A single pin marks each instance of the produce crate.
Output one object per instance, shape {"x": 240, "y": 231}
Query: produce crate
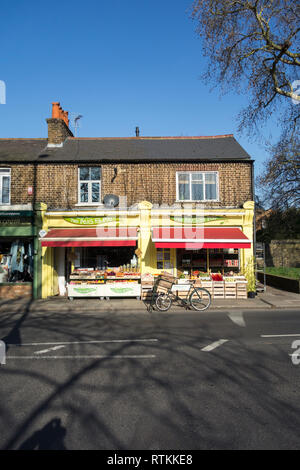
{"x": 230, "y": 290}
{"x": 181, "y": 290}
{"x": 218, "y": 289}
{"x": 208, "y": 285}
{"x": 146, "y": 295}
{"x": 147, "y": 289}
{"x": 241, "y": 290}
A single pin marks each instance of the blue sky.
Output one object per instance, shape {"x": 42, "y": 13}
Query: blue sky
{"x": 118, "y": 63}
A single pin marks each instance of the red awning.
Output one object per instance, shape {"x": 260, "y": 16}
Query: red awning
{"x": 100, "y": 236}
{"x": 199, "y": 237}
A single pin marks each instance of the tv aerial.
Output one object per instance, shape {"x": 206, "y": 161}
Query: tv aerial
{"x": 74, "y": 119}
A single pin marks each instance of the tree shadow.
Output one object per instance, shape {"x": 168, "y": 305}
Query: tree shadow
{"x": 14, "y": 336}
{"x": 180, "y": 399}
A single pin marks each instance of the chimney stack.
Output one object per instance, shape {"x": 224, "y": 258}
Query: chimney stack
{"x": 58, "y": 126}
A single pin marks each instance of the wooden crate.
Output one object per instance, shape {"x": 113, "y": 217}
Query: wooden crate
{"x": 218, "y": 289}
{"x": 146, "y": 295}
{"x": 208, "y": 285}
{"x": 241, "y": 290}
{"x": 230, "y": 290}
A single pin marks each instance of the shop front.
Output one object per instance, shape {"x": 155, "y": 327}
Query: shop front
{"x": 87, "y": 261}
{"x": 213, "y": 246}
{"x": 19, "y": 252}
{"x": 116, "y": 253}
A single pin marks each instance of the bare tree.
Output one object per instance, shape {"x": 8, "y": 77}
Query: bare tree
{"x": 253, "y": 46}
{"x": 281, "y": 178}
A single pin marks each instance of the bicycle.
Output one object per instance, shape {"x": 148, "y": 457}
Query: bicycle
{"x": 198, "y": 298}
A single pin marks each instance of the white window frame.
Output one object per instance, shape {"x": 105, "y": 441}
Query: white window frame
{"x": 203, "y": 173}
{"x": 89, "y": 182}
{"x": 5, "y": 172}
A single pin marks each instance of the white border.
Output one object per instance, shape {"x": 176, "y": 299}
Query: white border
{"x": 197, "y": 200}
{"x": 1, "y": 176}
{"x": 89, "y": 183}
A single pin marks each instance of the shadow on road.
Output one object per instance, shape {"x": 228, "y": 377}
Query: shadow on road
{"x": 180, "y": 399}
{"x": 50, "y": 437}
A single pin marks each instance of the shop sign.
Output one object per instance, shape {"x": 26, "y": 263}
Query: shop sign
{"x": 90, "y": 220}
{"x": 19, "y": 214}
{"x": 17, "y": 221}
{"x": 184, "y": 219}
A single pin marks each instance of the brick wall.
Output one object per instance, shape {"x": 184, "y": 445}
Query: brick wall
{"x": 22, "y": 176}
{"x": 57, "y": 184}
{"x": 15, "y": 291}
{"x": 283, "y": 253}
{"x": 58, "y": 131}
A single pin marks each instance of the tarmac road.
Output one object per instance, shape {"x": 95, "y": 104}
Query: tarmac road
{"x": 215, "y": 380}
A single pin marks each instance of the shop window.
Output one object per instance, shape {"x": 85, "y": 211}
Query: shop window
{"x": 197, "y": 186}
{"x": 16, "y": 261}
{"x": 89, "y": 184}
{"x": 4, "y": 185}
{"x": 163, "y": 258}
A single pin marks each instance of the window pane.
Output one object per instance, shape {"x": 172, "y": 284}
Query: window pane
{"x": 197, "y": 176}
{"x": 95, "y": 173}
{"x": 84, "y": 174}
{"x": 167, "y": 255}
{"x": 95, "y": 192}
{"x": 183, "y": 186}
{"x": 5, "y": 189}
{"x": 211, "y": 186}
{"x": 197, "y": 191}
{"x": 84, "y": 192}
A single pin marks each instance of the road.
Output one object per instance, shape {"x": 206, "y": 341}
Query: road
{"x": 186, "y": 381}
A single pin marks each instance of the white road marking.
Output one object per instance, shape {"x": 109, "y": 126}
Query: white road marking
{"x": 214, "y": 345}
{"x": 50, "y": 349}
{"x": 86, "y": 342}
{"x": 150, "y": 356}
{"x": 279, "y": 336}
{"x": 237, "y": 317}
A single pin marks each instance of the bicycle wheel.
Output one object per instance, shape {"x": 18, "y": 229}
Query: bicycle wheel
{"x": 163, "y": 302}
{"x": 200, "y": 299}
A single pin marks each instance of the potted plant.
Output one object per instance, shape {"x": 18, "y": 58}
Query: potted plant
{"x": 250, "y": 276}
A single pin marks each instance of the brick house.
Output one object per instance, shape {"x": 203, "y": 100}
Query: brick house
{"x": 203, "y": 185}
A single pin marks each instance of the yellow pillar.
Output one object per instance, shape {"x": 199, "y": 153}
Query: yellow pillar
{"x": 145, "y": 242}
{"x": 49, "y": 275}
{"x": 247, "y": 253}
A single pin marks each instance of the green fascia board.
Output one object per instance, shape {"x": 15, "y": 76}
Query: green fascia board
{"x": 7, "y": 214}
{"x": 26, "y": 231}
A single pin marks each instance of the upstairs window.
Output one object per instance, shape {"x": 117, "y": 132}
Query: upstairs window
{"x": 197, "y": 186}
{"x": 4, "y": 185}
{"x": 89, "y": 184}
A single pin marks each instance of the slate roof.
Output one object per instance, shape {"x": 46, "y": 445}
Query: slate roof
{"x": 135, "y": 149}
{"x": 21, "y": 150}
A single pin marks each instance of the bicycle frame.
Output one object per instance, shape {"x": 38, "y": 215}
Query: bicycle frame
{"x": 185, "y": 301}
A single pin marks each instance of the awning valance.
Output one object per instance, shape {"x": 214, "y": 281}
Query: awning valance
{"x": 199, "y": 237}
{"x": 84, "y": 237}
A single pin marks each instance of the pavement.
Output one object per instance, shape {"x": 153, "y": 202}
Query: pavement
{"x": 271, "y": 299}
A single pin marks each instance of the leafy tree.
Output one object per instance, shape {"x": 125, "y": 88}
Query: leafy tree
{"x": 280, "y": 225}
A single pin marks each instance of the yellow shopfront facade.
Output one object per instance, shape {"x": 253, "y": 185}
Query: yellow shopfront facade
{"x": 95, "y": 250}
